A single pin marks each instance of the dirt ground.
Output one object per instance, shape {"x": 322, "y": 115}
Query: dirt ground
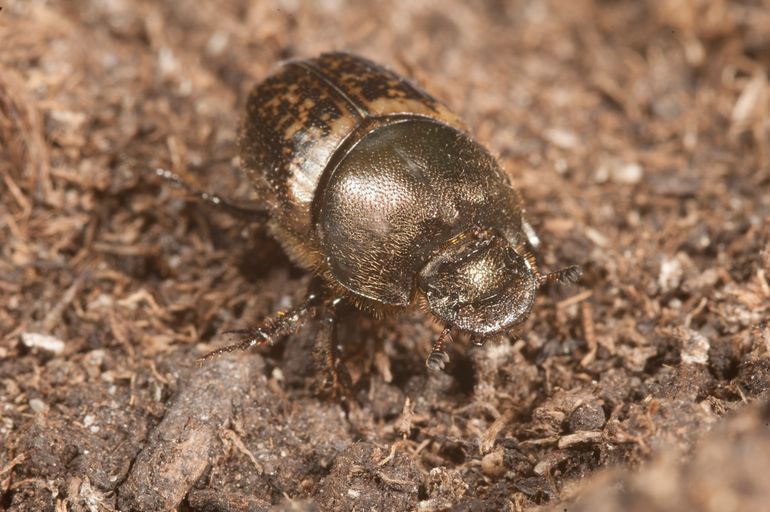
{"x": 639, "y": 134}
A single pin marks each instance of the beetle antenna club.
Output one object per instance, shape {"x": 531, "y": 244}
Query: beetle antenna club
{"x": 438, "y": 357}
{"x": 567, "y": 275}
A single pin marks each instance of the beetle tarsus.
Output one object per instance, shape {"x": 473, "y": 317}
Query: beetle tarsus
{"x": 247, "y": 214}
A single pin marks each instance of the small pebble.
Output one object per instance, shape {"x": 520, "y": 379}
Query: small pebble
{"x": 493, "y": 464}
{"x": 38, "y": 406}
{"x": 42, "y": 341}
{"x": 563, "y": 139}
{"x": 670, "y": 275}
{"x": 695, "y": 347}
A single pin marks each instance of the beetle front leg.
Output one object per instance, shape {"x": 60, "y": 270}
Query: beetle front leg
{"x": 327, "y": 354}
{"x": 282, "y": 323}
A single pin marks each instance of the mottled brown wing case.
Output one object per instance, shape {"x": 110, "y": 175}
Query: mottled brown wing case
{"x": 293, "y": 124}
{"x": 377, "y": 91}
{"x": 297, "y": 118}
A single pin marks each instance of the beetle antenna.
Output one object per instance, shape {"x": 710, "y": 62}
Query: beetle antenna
{"x": 234, "y": 210}
{"x": 566, "y": 275}
{"x": 438, "y": 357}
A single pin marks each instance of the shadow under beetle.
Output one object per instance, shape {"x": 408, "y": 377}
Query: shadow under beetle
{"x": 376, "y": 188}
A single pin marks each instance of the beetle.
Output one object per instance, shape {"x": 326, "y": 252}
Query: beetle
{"x": 379, "y": 190}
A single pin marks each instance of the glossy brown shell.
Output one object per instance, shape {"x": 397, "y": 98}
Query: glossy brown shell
{"x": 402, "y": 193}
{"x": 300, "y": 116}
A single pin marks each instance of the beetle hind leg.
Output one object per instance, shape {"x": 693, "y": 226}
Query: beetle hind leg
{"x": 239, "y": 212}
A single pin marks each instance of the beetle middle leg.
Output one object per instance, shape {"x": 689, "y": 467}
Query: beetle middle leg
{"x": 280, "y": 324}
{"x": 239, "y": 212}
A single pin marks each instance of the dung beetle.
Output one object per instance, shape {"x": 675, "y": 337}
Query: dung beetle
{"x": 377, "y": 189}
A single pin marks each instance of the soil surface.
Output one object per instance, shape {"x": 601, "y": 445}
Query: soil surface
{"x": 639, "y": 135}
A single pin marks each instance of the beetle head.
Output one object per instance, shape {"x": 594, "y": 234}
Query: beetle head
{"x": 480, "y": 284}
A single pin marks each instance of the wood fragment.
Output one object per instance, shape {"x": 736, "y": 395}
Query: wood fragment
{"x": 235, "y": 439}
{"x": 578, "y": 297}
{"x": 487, "y": 442}
{"x": 586, "y": 312}
{"x": 179, "y": 449}
{"x": 584, "y": 436}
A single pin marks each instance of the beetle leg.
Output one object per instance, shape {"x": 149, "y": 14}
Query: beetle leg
{"x": 325, "y": 343}
{"x": 328, "y": 353}
{"x": 239, "y": 212}
{"x": 282, "y": 323}
{"x": 438, "y": 357}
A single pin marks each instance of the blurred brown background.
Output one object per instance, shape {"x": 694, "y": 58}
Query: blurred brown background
{"x": 638, "y": 132}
